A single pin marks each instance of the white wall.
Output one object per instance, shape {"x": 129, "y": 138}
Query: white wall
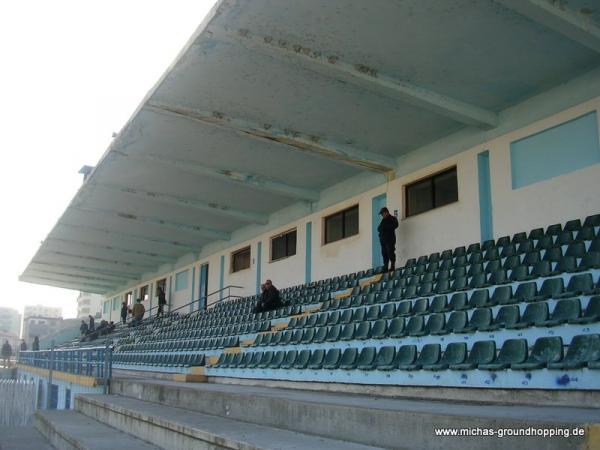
{"x": 555, "y": 200}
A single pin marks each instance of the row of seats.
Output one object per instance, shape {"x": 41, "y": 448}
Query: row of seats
{"x": 160, "y": 360}
{"x": 482, "y": 319}
{"x": 182, "y": 345}
{"x": 547, "y": 352}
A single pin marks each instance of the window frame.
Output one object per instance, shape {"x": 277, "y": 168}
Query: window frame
{"x": 341, "y": 212}
{"x": 431, "y": 179}
{"x": 232, "y": 256}
{"x": 178, "y": 280}
{"x": 282, "y": 234}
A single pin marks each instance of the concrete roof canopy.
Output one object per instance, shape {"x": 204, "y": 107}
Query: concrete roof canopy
{"x": 271, "y": 102}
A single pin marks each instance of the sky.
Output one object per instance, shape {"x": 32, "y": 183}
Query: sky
{"x": 72, "y": 73}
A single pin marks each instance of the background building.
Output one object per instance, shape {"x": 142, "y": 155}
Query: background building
{"x": 42, "y": 311}
{"x": 10, "y": 321}
{"x": 89, "y": 304}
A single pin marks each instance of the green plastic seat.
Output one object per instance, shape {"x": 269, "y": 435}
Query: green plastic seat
{"x": 404, "y": 308}
{"x": 277, "y": 360}
{"x": 359, "y": 315}
{"x": 482, "y": 352}
{"x": 345, "y": 317}
{"x": 286, "y": 337}
{"x": 301, "y": 322}
{"x": 458, "y": 302}
{"x": 502, "y": 295}
{"x": 480, "y": 319}
{"x": 333, "y": 318}
{"x": 363, "y": 330}
{"x": 347, "y": 333}
{"x": 373, "y": 313}
{"x": 591, "y": 314}
{"x": 256, "y": 359}
{"x": 519, "y": 237}
{"x": 265, "y": 360}
{"x": 235, "y": 362}
{"x": 396, "y": 328}
{"x": 492, "y": 266}
{"x": 320, "y": 335}
{"x": 333, "y": 334}
{"x": 311, "y": 321}
{"x": 526, "y": 292}
{"x": 475, "y": 269}
{"x": 576, "y": 250}
{"x": 385, "y": 358}
{"x": 405, "y": 357}
{"x": 565, "y": 310}
{"x": 531, "y": 257}
{"x": 592, "y": 221}
{"x": 545, "y": 350}
{"x": 357, "y": 301}
{"x": 568, "y": 264}
{"x": 456, "y": 323}
{"x": 288, "y": 361}
{"x": 534, "y": 314}
{"x": 322, "y": 320}
{"x": 302, "y": 359}
{"x": 409, "y": 292}
{"x": 388, "y": 311}
{"x": 379, "y": 329}
{"x": 542, "y": 269}
{"x": 316, "y": 360}
{"x": 221, "y": 361}
{"x": 460, "y": 284}
{"x": 455, "y": 353}
{"x": 435, "y": 324}
{"x": 583, "y": 349}
{"x": 345, "y": 303}
{"x": 415, "y": 326}
{"x": 506, "y": 317}
{"x": 430, "y": 354}
{"x": 480, "y": 299}
{"x": 366, "y": 358}
{"x": 582, "y": 284}
{"x": 307, "y": 336}
{"x": 349, "y": 359}
{"x": 513, "y": 351}
{"x": 296, "y": 336}
{"x": 520, "y": 273}
{"x": 258, "y": 341}
{"x": 276, "y": 338}
{"x": 439, "y": 304}
{"x": 590, "y": 260}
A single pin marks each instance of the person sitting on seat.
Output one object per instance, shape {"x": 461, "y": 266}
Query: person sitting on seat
{"x": 6, "y": 353}
{"x": 36, "y": 344}
{"x": 137, "y": 312}
{"x": 83, "y": 328}
{"x": 269, "y": 298}
{"x": 261, "y": 301}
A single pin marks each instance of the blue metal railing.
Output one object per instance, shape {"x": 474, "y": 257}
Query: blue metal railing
{"x": 89, "y": 361}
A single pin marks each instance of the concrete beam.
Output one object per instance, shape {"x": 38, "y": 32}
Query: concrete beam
{"x": 208, "y": 207}
{"x": 157, "y": 221}
{"x": 294, "y": 139}
{"x": 577, "y": 26}
{"x": 70, "y": 276}
{"x": 246, "y": 179}
{"x": 76, "y": 286}
{"x": 179, "y": 245}
{"x": 152, "y": 255}
{"x": 112, "y": 262}
{"x": 369, "y": 78}
{"x": 119, "y": 276}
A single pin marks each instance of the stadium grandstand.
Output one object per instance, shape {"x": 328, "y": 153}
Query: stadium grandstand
{"x": 267, "y": 151}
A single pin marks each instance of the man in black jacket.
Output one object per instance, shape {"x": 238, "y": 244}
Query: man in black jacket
{"x": 387, "y": 238}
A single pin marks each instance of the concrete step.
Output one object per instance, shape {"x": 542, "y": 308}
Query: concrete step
{"x": 370, "y": 420}
{"x": 175, "y": 428}
{"x": 71, "y": 430}
{"x": 22, "y": 438}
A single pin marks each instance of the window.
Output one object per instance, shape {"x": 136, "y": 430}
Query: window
{"x": 144, "y": 293}
{"x": 104, "y": 308}
{"x": 341, "y": 225}
{"x": 115, "y": 304}
{"x": 240, "y": 260}
{"x": 283, "y": 245}
{"x": 181, "y": 281}
{"x": 128, "y": 298}
{"x": 432, "y": 192}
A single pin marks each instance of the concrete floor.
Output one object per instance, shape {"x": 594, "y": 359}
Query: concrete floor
{"x": 22, "y": 438}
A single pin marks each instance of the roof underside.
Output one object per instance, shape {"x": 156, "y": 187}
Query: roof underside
{"x": 271, "y": 102}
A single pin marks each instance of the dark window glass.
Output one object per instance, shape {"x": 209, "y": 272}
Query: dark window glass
{"x": 433, "y": 192}
{"x": 283, "y": 246}
{"x": 341, "y": 225}
{"x": 240, "y": 260}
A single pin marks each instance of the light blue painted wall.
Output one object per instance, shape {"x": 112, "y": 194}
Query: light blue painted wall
{"x": 308, "y": 258}
{"x": 222, "y": 277}
{"x": 181, "y": 280}
{"x": 258, "y": 265}
{"x": 556, "y": 151}
{"x": 376, "y": 204}
{"x": 486, "y": 220}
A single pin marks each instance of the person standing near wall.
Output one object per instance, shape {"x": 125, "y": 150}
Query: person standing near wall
{"x": 162, "y": 301}
{"x": 387, "y": 238}
{"x": 6, "y": 353}
{"x": 36, "y": 344}
{"x": 124, "y": 311}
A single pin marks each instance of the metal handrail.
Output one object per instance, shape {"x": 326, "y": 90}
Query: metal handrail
{"x": 89, "y": 361}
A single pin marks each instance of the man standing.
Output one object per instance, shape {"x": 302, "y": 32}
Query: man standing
{"x": 162, "y": 301}
{"x": 23, "y": 345}
{"x": 124, "y": 311}
{"x": 387, "y": 238}
{"x": 138, "y": 312}
{"x": 92, "y": 326}
{"x": 6, "y": 353}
